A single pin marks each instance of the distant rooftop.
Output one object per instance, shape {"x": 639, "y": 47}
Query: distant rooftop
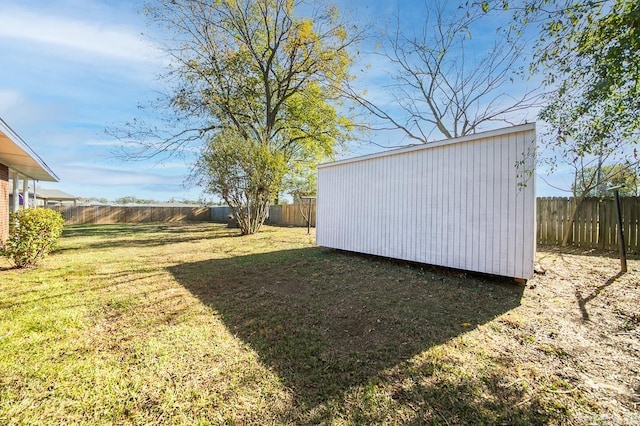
{"x": 54, "y": 194}
{"x": 51, "y": 194}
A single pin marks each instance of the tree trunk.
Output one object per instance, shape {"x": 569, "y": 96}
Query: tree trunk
{"x": 572, "y": 218}
{"x": 250, "y": 218}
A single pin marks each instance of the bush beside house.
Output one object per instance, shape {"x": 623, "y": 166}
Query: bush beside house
{"x": 32, "y": 235}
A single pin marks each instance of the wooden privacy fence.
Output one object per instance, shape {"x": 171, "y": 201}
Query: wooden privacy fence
{"x": 283, "y": 215}
{"x": 130, "y": 214}
{"x": 279, "y": 215}
{"x": 220, "y": 214}
{"x": 595, "y": 224}
{"x": 291, "y": 214}
{"x": 594, "y": 227}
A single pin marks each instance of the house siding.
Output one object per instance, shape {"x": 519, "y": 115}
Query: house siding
{"x": 4, "y": 202}
{"x": 466, "y": 203}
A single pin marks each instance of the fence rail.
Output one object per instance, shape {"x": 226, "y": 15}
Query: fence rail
{"x": 594, "y": 226}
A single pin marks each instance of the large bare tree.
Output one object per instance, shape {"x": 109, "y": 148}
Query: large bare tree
{"x": 446, "y": 83}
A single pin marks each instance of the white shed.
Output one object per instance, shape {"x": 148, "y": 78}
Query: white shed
{"x": 465, "y": 203}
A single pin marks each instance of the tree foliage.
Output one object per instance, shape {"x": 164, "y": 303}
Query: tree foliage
{"x": 301, "y": 183}
{"x": 616, "y": 175}
{"x": 253, "y": 73}
{"x": 245, "y": 174}
{"x": 591, "y": 57}
{"x": 446, "y": 82}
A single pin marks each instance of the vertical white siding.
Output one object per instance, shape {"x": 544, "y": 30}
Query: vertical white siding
{"x": 466, "y": 203}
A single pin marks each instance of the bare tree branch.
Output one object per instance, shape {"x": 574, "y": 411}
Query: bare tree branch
{"x": 439, "y": 85}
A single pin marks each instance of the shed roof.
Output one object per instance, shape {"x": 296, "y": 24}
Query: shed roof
{"x": 417, "y": 147}
{"x": 15, "y": 153}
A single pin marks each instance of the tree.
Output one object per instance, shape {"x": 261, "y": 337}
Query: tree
{"x": 254, "y": 76}
{"x": 301, "y": 183}
{"x": 612, "y": 175}
{"x": 591, "y": 57}
{"x": 246, "y": 175}
{"x": 444, "y": 82}
{"x": 129, "y": 199}
{"x": 589, "y": 53}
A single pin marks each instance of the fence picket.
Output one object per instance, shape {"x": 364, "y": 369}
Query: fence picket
{"x": 595, "y": 224}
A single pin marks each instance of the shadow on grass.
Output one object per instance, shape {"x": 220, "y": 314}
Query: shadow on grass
{"x": 8, "y": 268}
{"x": 326, "y": 321}
{"x": 113, "y": 230}
{"x": 582, "y": 301}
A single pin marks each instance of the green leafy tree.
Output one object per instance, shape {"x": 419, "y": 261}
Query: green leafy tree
{"x": 589, "y": 55}
{"x": 129, "y": 199}
{"x": 246, "y": 174}
{"x": 301, "y": 183}
{"x": 253, "y": 72}
{"x": 626, "y": 177}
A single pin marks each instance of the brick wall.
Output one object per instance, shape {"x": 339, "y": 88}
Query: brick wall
{"x": 4, "y": 202}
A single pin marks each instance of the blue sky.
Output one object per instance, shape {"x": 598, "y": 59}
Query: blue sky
{"x": 71, "y": 68}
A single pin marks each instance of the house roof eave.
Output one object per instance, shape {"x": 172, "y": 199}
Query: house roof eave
{"x": 18, "y": 156}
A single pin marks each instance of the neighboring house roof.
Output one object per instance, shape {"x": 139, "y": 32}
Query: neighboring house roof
{"x": 15, "y": 153}
{"x": 51, "y": 194}
{"x": 54, "y": 194}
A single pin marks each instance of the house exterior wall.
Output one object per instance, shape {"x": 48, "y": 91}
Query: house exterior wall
{"x": 4, "y": 202}
{"x": 466, "y": 203}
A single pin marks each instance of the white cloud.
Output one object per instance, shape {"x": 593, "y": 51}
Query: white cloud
{"x": 117, "y": 181}
{"x": 19, "y": 111}
{"x": 9, "y": 98}
{"x": 76, "y": 36}
{"x": 107, "y": 176}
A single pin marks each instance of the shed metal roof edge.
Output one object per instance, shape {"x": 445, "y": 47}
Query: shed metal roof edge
{"x": 396, "y": 151}
{"x": 16, "y": 139}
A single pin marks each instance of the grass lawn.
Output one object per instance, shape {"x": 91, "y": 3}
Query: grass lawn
{"x": 192, "y": 324}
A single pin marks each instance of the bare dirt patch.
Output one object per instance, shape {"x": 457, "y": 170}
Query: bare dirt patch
{"x": 580, "y": 322}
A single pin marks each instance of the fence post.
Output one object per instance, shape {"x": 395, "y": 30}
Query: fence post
{"x": 621, "y": 244}
{"x": 602, "y": 223}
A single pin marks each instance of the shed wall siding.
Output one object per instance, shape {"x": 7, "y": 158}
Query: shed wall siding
{"x": 467, "y": 205}
{"x": 4, "y": 202}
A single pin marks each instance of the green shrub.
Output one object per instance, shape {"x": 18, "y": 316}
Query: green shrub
{"x": 32, "y": 235}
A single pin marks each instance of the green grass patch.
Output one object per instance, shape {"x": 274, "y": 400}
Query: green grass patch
{"x": 193, "y": 324}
